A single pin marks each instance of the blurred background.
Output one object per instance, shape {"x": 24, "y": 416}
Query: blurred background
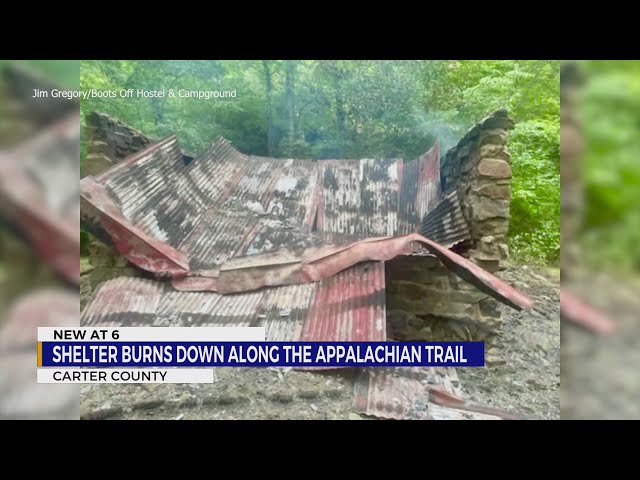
{"x": 600, "y": 233}
{"x": 39, "y": 231}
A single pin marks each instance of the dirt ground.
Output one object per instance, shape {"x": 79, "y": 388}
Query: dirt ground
{"x": 528, "y": 384}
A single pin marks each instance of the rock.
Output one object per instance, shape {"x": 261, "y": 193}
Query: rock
{"x": 498, "y": 119}
{"x": 281, "y": 397}
{"x": 85, "y": 291}
{"x": 495, "y": 151}
{"x": 489, "y": 327}
{"x": 494, "y": 358}
{"x": 493, "y": 190}
{"x": 97, "y": 146}
{"x": 503, "y": 250}
{"x": 309, "y": 394}
{"x": 413, "y": 291}
{"x": 101, "y": 255}
{"x": 536, "y": 384}
{"x": 484, "y": 255}
{"x": 495, "y": 136}
{"x": 96, "y": 163}
{"x": 488, "y": 208}
{"x": 490, "y": 266}
{"x": 494, "y": 168}
{"x": 85, "y": 267}
{"x": 465, "y": 296}
{"x": 541, "y": 342}
{"x": 493, "y": 226}
{"x": 489, "y": 251}
{"x": 490, "y": 307}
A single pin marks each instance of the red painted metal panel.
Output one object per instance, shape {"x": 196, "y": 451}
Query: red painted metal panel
{"x": 142, "y": 302}
{"x": 420, "y": 191}
{"x": 577, "y": 311}
{"x": 429, "y": 181}
{"x": 349, "y": 307}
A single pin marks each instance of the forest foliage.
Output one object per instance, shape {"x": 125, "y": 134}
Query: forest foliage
{"x": 610, "y": 117}
{"x": 356, "y": 109}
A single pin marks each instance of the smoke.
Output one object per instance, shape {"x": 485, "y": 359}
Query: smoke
{"x": 439, "y": 126}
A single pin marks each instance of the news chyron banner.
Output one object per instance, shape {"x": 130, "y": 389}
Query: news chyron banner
{"x": 188, "y": 355}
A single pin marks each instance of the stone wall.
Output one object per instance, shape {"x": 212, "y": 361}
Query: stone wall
{"x": 109, "y": 141}
{"x": 478, "y": 167}
{"x": 425, "y": 301}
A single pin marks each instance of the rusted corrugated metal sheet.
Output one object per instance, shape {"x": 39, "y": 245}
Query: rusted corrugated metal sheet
{"x": 170, "y": 218}
{"x": 360, "y": 198}
{"x": 124, "y": 302}
{"x": 419, "y": 189}
{"x": 446, "y": 223}
{"x": 246, "y": 220}
{"x": 315, "y": 264}
{"x": 349, "y": 306}
{"x": 226, "y": 204}
{"x": 355, "y": 310}
{"x": 37, "y": 194}
{"x": 421, "y": 393}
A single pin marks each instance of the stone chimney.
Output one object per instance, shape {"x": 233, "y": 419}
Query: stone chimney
{"x": 478, "y": 167}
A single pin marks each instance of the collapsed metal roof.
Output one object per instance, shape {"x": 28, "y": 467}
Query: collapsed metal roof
{"x": 229, "y": 222}
{"x": 193, "y": 218}
{"x": 347, "y": 307}
{"x": 296, "y": 246}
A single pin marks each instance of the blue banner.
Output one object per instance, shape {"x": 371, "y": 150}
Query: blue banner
{"x": 262, "y": 354}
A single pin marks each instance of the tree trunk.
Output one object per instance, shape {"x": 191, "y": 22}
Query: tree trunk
{"x": 268, "y": 90}
{"x": 336, "y": 76}
{"x": 340, "y": 114}
{"x": 291, "y": 103}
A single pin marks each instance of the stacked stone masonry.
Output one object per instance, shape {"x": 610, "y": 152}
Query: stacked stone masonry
{"x": 479, "y": 168}
{"x": 424, "y": 300}
{"x": 108, "y": 142}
